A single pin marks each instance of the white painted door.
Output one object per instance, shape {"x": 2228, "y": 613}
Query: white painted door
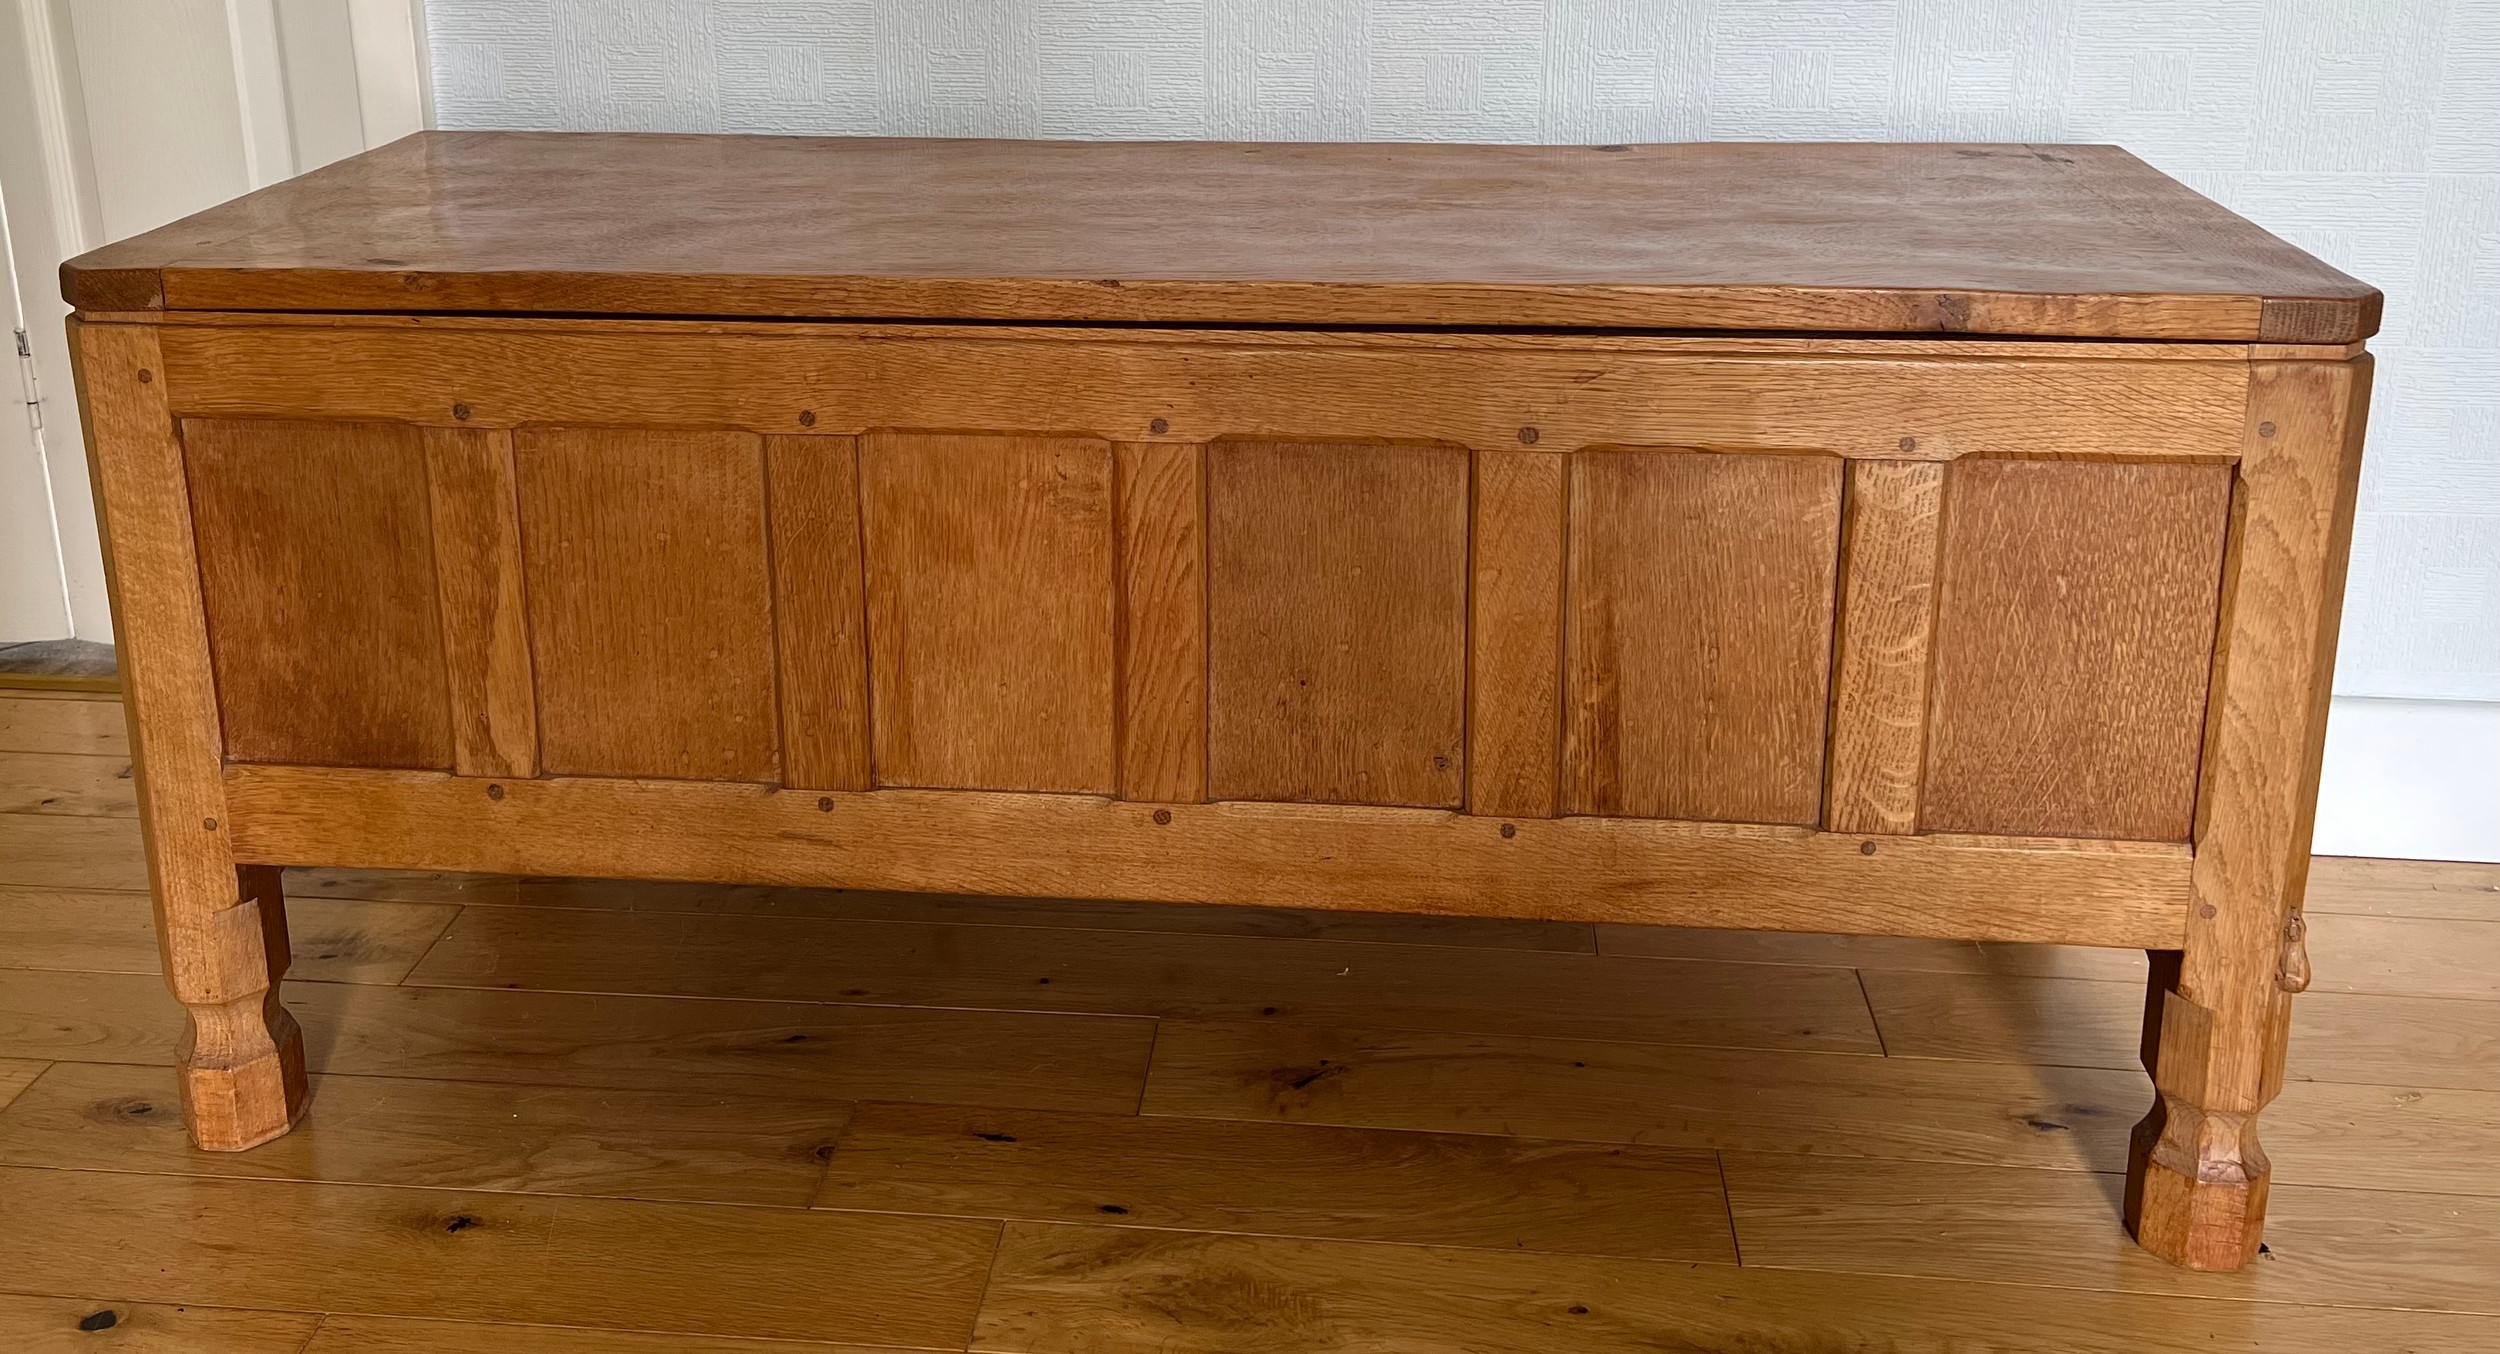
{"x": 117, "y": 116}
{"x": 33, "y": 602}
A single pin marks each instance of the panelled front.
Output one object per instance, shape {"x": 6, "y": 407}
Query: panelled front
{"x": 1184, "y": 569}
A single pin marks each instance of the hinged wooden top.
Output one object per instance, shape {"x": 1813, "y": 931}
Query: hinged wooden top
{"x": 2060, "y": 241}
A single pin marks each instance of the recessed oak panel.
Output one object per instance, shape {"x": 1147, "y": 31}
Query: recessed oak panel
{"x": 2075, "y": 640}
{"x": 317, "y": 571}
{"x": 992, "y": 613}
{"x": 1337, "y": 622}
{"x": 650, "y": 603}
{"x": 1700, "y": 628}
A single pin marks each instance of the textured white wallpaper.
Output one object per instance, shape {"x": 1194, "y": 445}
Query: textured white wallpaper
{"x": 2367, "y": 131}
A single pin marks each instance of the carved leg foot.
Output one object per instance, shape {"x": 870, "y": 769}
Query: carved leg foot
{"x": 2196, "y": 1187}
{"x": 241, "y": 1061}
{"x": 2196, "y": 1174}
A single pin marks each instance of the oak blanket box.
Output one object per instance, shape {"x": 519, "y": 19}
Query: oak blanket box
{"x": 1926, "y": 540}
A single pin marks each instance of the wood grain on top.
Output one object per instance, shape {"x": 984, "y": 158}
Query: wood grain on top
{"x": 1883, "y": 238}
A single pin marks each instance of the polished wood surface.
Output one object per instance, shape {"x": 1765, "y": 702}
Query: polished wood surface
{"x": 1014, "y": 1167}
{"x": 2067, "y": 240}
{"x": 992, "y": 602}
{"x": 2075, "y": 634}
{"x": 644, "y": 548}
{"x": 478, "y": 565}
{"x": 1883, "y": 647}
{"x": 1697, "y": 653}
{"x": 319, "y": 582}
{"x": 1163, "y": 619}
{"x": 1337, "y": 622}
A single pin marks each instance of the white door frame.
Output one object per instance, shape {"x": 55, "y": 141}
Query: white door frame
{"x": 279, "y": 74}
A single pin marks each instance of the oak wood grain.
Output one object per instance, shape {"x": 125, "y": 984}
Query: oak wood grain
{"x": 2179, "y": 402}
{"x": 2463, "y": 890}
{"x": 2070, "y": 240}
{"x": 2340, "y": 1036}
{"x": 342, "y": 1334}
{"x": 820, "y": 619}
{"x": 1502, "y": 1194}
{"x": 445, "y": 1253}
{"x": 697, "y": 1146}
{"x": 1661, "y": 1095}
{"x": 1374, "y": 859}
{"x": 1337, "y": 622}
{"x": 100, "y": 931}
{"x": 1515, "y": 634}
{"x": 2332, "y": 1246}
{"x": 478, "y": 566}
{"x": 1700, "y": 631}
{"x": 2075, "y": 634}
{"x": 73, "y": 784}
{"x": 992, "y": 610}
{"x": 1163, "y": 621}
{"x": 39, "y": 851}
{"x": 317, "y": 573}
{"x": 1066, "y": 1290}
{"x": 50, "y": 1325}
{"x": 1000, "y": 968}
{"x": 650, "y": 601}
{"x": 84, "y": 727}
{"x": 2218, "y": 1017}
{"x": 15, "y": 1076}
{"x": 1883, "y": 646}
{"x": 223, "y": 929}
{"x": 770, "y": 1049}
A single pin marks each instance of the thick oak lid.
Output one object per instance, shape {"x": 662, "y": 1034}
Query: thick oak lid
{"x": 2062, "y": 241}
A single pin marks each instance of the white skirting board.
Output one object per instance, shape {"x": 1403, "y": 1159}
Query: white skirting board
{"x": 2418, "y": 779}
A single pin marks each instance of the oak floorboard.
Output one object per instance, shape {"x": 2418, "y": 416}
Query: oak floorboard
{"x": 635, "y": 1144}
{"x": 2374, "y": 1137}
{"x": 2358, "y": 1038}
{"x": 407, "y": 1335}
{"x": 1113, "y": 973}
{"x": 85, "y": 726}
{"x": 93, "y": 930}
{"x": 2458, "y": 890}
{"x": 1093, "y": 1290}
{"x": 631, "y": 1264}
{"x": 1660, "y": 1096}
{"x": 2405, "y": 956}
{"x": 46, "y": 851}
{"x": 2384, "y": 1137}
{"x": 16, "y": 1074}
{"x": 1502, "y": 1194}
{"x": 78, "y": 785}
{"x": 1085, "y": 1063}
{"x": 49, "y": 1325}
{"x": 2336, "y": 1247}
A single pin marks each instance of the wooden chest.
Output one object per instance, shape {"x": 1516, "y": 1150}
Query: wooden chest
{"x": 1924, "y": 540}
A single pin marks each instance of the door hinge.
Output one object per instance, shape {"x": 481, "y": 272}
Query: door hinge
{"x": 26, "y": 380}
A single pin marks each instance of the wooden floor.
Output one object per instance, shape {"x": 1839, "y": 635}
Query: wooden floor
{"x": 606, "y": 1118}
